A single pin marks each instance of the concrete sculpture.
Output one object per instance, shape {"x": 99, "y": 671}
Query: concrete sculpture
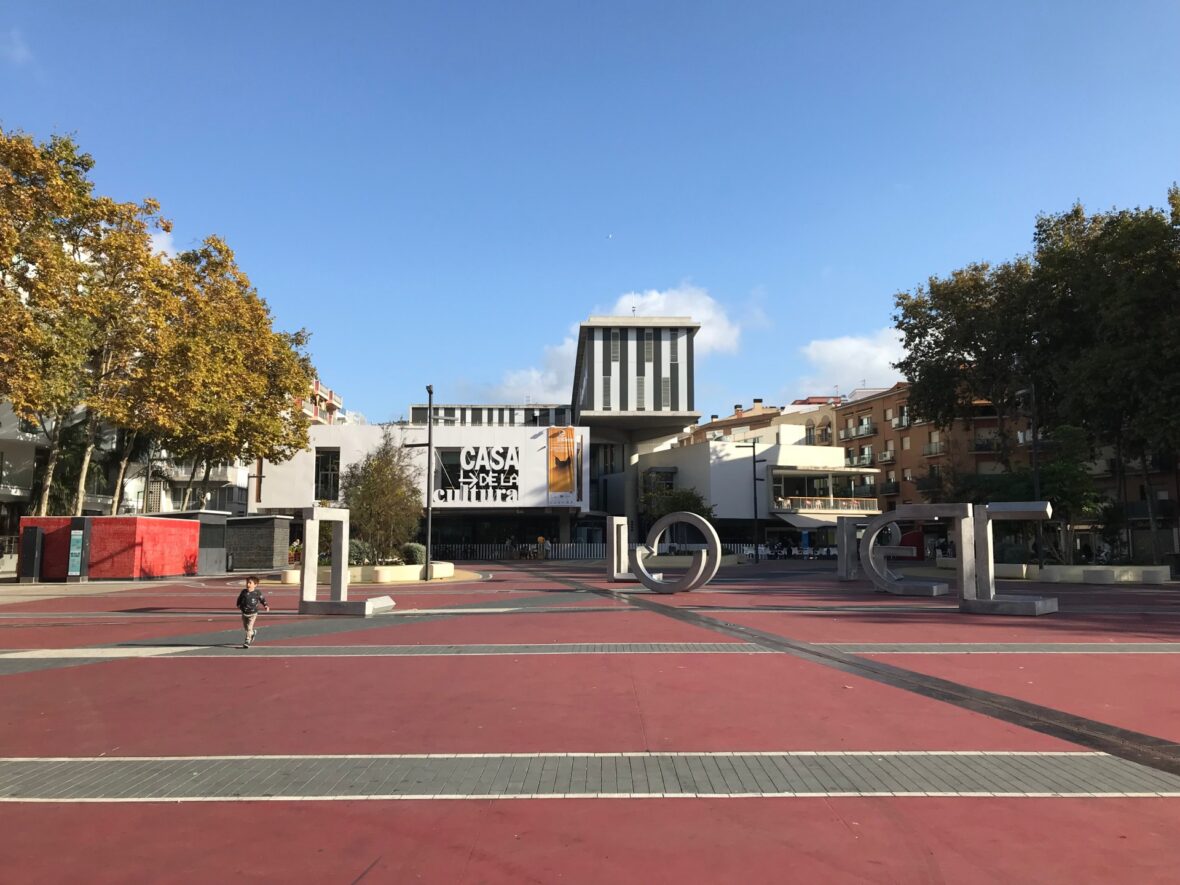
{"x": 971, "y": 529}
{"x": 700, "y": 572}
{"x": 339, "y": 603}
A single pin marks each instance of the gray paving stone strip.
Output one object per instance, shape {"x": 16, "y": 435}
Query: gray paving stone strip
{"x": 473, "y": 776}
{"x": 1024, "y": 648}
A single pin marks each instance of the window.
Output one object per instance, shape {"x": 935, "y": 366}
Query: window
{"x": 905, "y": 443}
{"x": 614, "y": 345}
{"x": 648, "y": 346}
{"x": 448, "y": 468}
{"x": 907, "y": 474}
{"x": 606, "y": 391}
{"x": 640, "y": 393}
{"x": 327, "y": 474}
{"x": 889, "y": 414}
{"x": 674, "y": 348}
{"x": 666, "y": 392}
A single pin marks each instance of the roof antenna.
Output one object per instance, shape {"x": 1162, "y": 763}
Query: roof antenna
{"x": 632, "y": 310}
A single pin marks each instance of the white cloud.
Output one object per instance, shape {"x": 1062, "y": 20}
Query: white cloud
{"x": 162, "y": 242}
{"x": 718, "y": 333}
{"x": 13, "y": 48}
{"x": 851, "y": 361}
{"x": 551, "y": 383}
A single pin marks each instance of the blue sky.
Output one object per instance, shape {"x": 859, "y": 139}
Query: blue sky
{"x": 441, "y": 191}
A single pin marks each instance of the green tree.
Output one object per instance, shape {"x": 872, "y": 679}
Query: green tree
{"x": 125, "y": 297}
{"x": 227, "y": 378}
{"x": 966, "y": 339}
{"x": 1115, "y": 278}
{"x": 383, "y": 499}
{"x": 659, "y": 503}
{"x": 45, "y": 201}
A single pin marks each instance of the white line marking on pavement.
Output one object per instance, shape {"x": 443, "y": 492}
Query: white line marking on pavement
{"x": 1072, "y": 754}
{"x": 429, "y": 797}
{"x": 143, "y": 651}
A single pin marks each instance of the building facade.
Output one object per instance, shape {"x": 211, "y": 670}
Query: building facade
{"x": 572, "y": 464}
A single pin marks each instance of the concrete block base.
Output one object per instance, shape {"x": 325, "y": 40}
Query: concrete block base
{"x": 357, "y": 608}
{"x": 920, "y": 588}
{"x": 1098, "y": 575}
{"x": 1004, "y": 604}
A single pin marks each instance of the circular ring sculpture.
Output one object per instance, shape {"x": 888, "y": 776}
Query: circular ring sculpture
{"x": 704, "y": 562}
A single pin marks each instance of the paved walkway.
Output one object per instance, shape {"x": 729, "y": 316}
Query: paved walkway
{"x": 543, "y": 725}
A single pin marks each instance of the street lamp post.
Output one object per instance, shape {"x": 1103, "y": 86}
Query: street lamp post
{"x": 1036, "y": 470}
{"x": 754, "y": 462}
{"x": 429, "y": 477}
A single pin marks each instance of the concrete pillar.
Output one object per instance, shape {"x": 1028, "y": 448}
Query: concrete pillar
{"x": 984, "y": 585}
{"x": 340, "y": 561}
{"x": 311, "y": 560}
{"x": 965, "y": 532}
{"x": 846, "y": 552}
{"x": 618, "y": 558}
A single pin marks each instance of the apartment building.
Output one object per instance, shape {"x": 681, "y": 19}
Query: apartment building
{"x": 914, "y": 458}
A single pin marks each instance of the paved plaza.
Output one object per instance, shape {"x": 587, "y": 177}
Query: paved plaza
{"x": 535, "y": 723}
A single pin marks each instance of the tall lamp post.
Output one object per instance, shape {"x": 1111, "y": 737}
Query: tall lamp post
{"x": 1031, "y": 390}
{"x": 754, "y": 462}
{"x": 429, "y": 477}
{"x": 1036, "y": 471}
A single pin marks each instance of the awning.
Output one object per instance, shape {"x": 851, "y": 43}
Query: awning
{"x": 806, "y": 522}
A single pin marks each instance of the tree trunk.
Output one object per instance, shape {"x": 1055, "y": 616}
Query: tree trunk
{"x": 147, "y": 481}
{"x": 205, "y": 482}
{"x": 54, "y": 449}
{"x": 1121, "y": 485}
{"x": 1149, "y": 494}
{"x": 117, "y": 497}
{"x": 43, "y": 505}
{"x": 188, "y": 489}
{"x": 80, "y": 494}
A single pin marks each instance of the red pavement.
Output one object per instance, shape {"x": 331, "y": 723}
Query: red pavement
{"x": 1136, "y": 692}
{"x": 469, "y": 704}
{"x": 684, "y": 842}
{"x": 525, "y": 628}
{"x": 570, "y": 703}
{"x": 952, "y": 626}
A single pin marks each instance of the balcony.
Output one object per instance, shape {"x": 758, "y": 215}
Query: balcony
{"x": 821, "y": 503}
{"x": 865, "y": 491}
{"x": 859, "y": 431}
{"x": 218, "y": 473}
{"x": 865, "y": 460}
{"x": 935, "y": 448}
{"x": 929, "y": 483}
{"x": 901, "y": 422}
{"x": 982, "y": 445}
{"x": 13, "y": 492}
{"x": 886, "y": 457}
{"x": 889, "y": 488}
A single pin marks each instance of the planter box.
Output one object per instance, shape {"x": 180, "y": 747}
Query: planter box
{"x": 1106, "y": 574}
{"x": 1010, "y": 570}
{"x": 376, "y": 574}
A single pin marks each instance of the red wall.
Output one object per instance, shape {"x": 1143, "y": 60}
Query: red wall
{"x": 122, "y": 547}
{"x": 55, "y": 554}
{"x": 114, "y": 550}
{"x": 167, "y": 547}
